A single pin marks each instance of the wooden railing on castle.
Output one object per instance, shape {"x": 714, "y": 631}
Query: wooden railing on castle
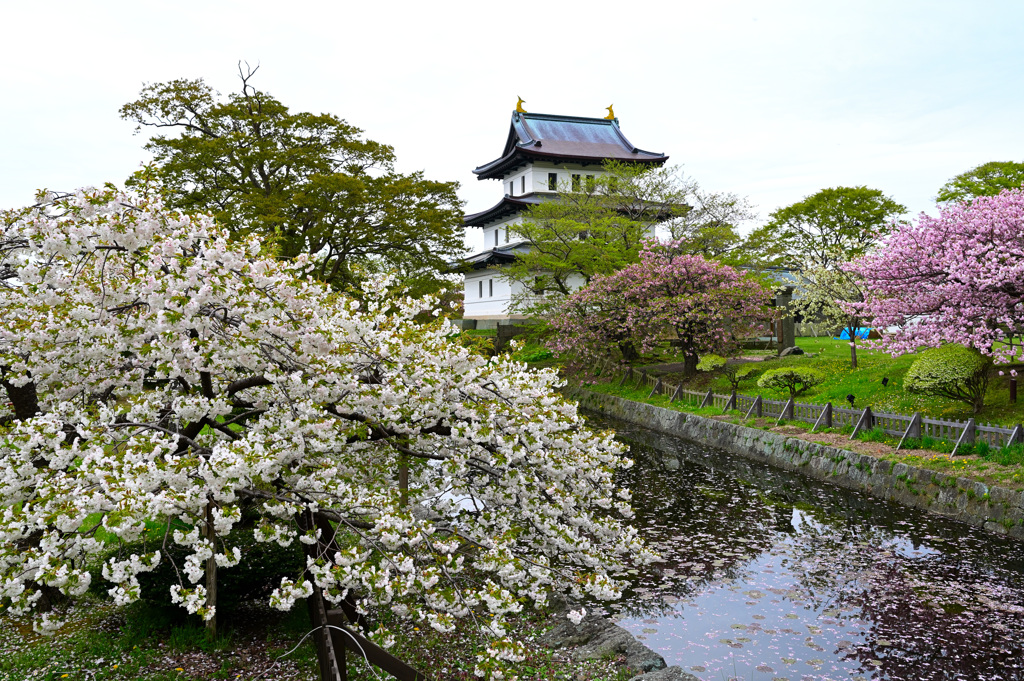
{"x": 826, "y": 415}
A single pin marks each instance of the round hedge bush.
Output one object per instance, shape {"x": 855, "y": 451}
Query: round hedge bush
{"x": 953, "y": 371}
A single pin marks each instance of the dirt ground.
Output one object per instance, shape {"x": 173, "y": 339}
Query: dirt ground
{"x": 842, "y": 441}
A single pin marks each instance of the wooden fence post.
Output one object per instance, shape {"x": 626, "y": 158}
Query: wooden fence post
{"x": 731, "y": 404}
{"x": 675, "y": 395}
{"x": 913, "y": 429}
{"x": 826, "y": 416}
{"x": 755, "y": 407}
{"x": 787, "y": 412}
{"x": 655, "y": 389}
{"x": 708, "y": 399}
{"x": 1013, "y": 390}
{"x": 865, "y": 422}
{"x": 626, "y": 376}
{"x": 1016, "y": 435}
{"x": 967, "y": 435}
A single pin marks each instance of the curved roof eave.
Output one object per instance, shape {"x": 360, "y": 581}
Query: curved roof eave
{"x": 520, "y": 156}
{"x": 509, "y": 205}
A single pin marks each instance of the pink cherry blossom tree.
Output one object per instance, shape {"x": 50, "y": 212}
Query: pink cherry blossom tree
{"x": 707, "y": 306}
{"x": 159, "y": 371}
{"x": 955, "y": 278}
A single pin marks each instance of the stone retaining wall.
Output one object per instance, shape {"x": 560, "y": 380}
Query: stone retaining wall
{"x": 996, "y": 509}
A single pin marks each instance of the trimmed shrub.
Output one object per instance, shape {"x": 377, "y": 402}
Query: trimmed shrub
{"x": 953, "y": 371}
{"x": 711, "y": 363}
{"x": 794, "y": 379}
{"x": 734, "y": 373}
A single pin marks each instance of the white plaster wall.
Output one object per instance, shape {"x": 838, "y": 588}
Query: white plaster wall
{"x": 502, "y": 230}
{"x": 536, "y": 175}
{"x": 489, "y": 306}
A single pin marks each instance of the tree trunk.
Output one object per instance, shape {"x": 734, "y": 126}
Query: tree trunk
{"x": 24, "y": 399}
{"x": 403, "y": 480}
{"x": 211, "y": 574}
{"x": 628, "y": 350}
{"x": 853, "y": 353}
{"x": 690, "y": 364}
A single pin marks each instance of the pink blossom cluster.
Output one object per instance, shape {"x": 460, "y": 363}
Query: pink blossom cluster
{"x": 706, "y": 305}
{"x": 955, "y": 278}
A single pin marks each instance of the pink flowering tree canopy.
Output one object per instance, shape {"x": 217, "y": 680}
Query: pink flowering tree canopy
{"x": 955, "y": 278}
{"x": 161, "y": 372}
{"x": 706, "y": 306}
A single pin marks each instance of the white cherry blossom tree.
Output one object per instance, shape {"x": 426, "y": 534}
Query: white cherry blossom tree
{"x": 157, "y": 371}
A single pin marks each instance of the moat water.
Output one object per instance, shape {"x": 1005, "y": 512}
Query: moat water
{"x": 767, "y": 575}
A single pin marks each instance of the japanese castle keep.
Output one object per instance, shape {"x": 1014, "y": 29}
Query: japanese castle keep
{"x": 543, "y": 153}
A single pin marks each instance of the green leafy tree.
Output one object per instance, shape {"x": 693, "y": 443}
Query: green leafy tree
{"x": 828, "y": 228}
{"x": 795, "y": 380}
{"x": 952, "y": 371}
{"x": 306, "y": 183}
{"x": 988, "y": 179}
{"x": 824, "y": 296}
{"x": 599, "y": 228}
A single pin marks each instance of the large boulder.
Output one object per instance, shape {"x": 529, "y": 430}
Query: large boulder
{"x": 596, "y": 638}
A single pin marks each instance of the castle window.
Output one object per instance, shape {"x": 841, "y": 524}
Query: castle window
{"x": 552, "y": 181}
{"x": 591, "y": 184}
{"x": 496, "y": 230}
{"x": 575, "y": 182}
{"x": 481, "y": 284}
{"x": 522, "y": 186}
{"x": 490, "y": 288}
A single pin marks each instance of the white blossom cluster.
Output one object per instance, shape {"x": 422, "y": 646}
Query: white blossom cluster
{"x": 179, "y": 375}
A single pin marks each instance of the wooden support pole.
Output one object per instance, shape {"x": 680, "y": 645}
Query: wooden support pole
{"x": 731, "y": 404}
{"x": 211, "y": 572}
{"x": 675, "y": 395}
{"x": 370, "y": 651}
{"x": 708, "y": 399}
{"x": 331, "y": 660}
{"x": 787, "y": 412}
{"x": 756, "y": 406}
{"x": 865, "y": 422}
{"x": 824, "y": 418}
{"x": 655, "y": 389}
{"x": 966, "y": 435}
{"x": 913, "y": 429}
{"x": 1016, "y": 435}
{"x": 626, "y": 376}
{"x": 1013, "y": 391}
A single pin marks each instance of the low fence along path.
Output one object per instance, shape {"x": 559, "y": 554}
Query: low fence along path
{"x": 914, "y": 426}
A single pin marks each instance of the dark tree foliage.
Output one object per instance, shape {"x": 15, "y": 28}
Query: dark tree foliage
{"x": 307, "y": 183}
{"x": 832, "y": 226}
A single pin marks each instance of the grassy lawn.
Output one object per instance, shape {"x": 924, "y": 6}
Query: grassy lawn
{"x": 991, "y": 466}
{"x": 865, "y": 383}
{"x": 153, "y": 643}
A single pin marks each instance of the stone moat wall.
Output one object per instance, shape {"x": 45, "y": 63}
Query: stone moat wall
{"x": 996, "y": 509}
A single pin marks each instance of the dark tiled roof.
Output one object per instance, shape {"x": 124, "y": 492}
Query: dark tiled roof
{"x": 564, "y": 139}
{"x": 508, "y": 206}
{"x": 502, "y": 255}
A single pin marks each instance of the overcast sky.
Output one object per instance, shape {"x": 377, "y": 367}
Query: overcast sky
{"x": 770, "y": 100}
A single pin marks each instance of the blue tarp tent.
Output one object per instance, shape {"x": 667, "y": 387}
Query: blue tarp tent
{"x": 861, "y": 333}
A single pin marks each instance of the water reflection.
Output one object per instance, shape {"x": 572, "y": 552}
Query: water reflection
{"x": 768, "y": 575}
